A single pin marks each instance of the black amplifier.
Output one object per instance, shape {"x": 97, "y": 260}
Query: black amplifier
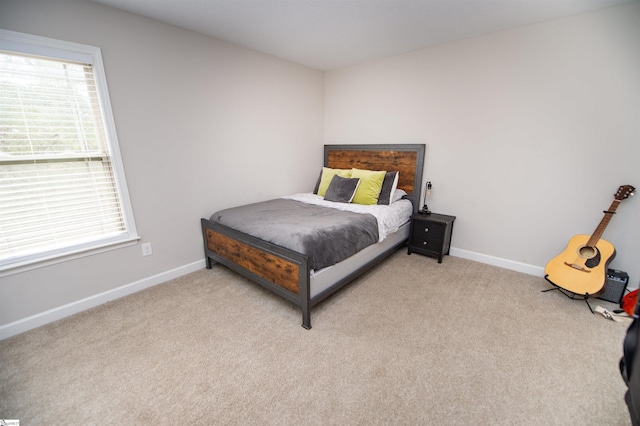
{"x": 615, "y": 286}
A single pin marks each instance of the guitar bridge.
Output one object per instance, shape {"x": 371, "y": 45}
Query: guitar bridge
{"x": 578, "y": 267}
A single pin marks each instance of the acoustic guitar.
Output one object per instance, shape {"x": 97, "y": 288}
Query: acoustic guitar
{"x": 581, "y": 268}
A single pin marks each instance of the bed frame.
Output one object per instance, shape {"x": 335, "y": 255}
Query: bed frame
{"x": 285, "y": 272}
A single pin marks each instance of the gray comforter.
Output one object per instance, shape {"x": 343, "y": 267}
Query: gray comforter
{"x": 325, "y": 235}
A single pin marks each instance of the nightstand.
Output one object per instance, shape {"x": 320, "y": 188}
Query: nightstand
{"x": 430, "y": 234}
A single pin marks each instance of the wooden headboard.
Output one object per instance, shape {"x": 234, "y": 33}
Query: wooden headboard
{"x": 408, "y": 159}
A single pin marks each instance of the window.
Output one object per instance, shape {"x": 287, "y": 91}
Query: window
{"x": 62, "y": 186}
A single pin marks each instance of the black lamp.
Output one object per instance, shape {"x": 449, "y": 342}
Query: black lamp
{"x": 427, "y": 193}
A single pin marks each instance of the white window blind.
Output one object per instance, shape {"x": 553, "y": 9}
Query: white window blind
{"x": 59, "y": 188}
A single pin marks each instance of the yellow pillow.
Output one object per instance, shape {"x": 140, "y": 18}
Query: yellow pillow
{"x": 370, "y": 185}
{"x": 327, "y": 175}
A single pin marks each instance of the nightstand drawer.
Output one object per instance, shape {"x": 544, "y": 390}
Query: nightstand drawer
{"x": 429, "y": 231}
{"x": 419, "y": 241}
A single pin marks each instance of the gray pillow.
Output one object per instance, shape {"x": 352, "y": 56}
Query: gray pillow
{"x": 389, "y": 185}
{"x": 315, "y": 189}
{"x": 341, "y": 189}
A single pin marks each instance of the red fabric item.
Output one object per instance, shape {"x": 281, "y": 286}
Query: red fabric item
{"x": 629, "y": 302}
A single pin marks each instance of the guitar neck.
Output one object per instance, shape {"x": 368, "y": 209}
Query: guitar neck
{"x": 597, "y": 234}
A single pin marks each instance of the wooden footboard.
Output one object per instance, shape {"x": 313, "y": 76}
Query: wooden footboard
{"x": 280, "y": 270}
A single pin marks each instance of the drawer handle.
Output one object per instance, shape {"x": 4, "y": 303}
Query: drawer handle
{"x": 426, "y": 229}
{"x": 424, "y": 243}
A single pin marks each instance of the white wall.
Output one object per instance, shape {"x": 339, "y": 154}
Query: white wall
{"x": 202, "y": 125}
{"x": 529, "y": 132}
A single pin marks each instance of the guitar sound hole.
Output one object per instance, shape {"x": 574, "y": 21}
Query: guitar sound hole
{"x": 592, "y": 254}
{"x": 587, "y": 252}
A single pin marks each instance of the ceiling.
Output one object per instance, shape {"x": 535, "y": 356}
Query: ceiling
{"x": 331, "y": 34}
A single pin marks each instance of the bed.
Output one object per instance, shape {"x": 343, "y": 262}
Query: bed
{"x": 291, "y": 274}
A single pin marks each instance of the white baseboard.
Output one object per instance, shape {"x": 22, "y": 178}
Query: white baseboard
{"x": 55, "y": 314}
{"x": 498, "y": 261}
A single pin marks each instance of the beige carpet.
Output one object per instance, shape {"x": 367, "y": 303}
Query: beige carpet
{"x": 411, "y": 342}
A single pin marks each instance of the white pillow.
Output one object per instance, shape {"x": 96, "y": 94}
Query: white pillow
{"x": 398, "y": 195}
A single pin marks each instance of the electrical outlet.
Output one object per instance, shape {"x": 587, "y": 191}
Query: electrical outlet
{"x": 146, "y": 249}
